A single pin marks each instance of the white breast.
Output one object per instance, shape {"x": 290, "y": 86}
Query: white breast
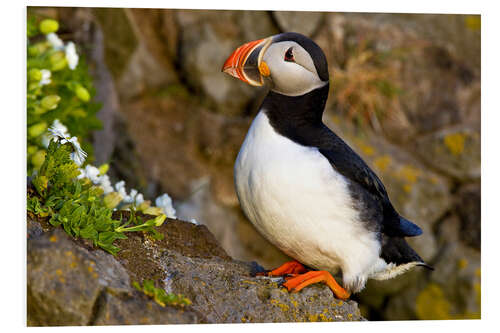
{"x": 302, "y": 205}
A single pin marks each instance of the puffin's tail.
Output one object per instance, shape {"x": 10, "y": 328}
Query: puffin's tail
{"x": 396, "y": 250}
{"x": 408, "y": 228}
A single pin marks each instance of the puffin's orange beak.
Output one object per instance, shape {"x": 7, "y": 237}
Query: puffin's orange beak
{"x": 246, "y": 64}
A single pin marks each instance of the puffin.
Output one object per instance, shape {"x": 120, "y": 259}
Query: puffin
{"x": 302, "y": 187}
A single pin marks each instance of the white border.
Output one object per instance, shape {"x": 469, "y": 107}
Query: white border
{"x": 12, "y": 86}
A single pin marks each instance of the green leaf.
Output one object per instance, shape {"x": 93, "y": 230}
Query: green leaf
{"x": 89, "y": 232}
{"x": 109, "y": 247}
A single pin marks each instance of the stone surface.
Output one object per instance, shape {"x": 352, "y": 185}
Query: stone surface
{"x": 455, "y": 151}
{"x": 70, "y": 283}
{"x": 306, "y": 23}
{"x": 207, "y": 39}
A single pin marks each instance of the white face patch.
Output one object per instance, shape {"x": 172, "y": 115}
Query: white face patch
{"x": 291, "y": 78}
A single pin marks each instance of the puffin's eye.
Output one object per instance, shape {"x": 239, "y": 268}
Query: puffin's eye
{"x": 289, "y": 55}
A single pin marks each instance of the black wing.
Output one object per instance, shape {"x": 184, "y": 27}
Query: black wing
{"x": 348, "y": 163}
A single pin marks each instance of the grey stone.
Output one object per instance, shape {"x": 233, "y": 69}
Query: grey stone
{"x": 306, "y": 23}
{"x": 70, "y": 283}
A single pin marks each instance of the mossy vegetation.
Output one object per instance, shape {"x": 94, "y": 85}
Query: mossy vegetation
{"x": 59, "y": 87}
{"x": 160, "y": 296}
{"x": 78, "y": 205}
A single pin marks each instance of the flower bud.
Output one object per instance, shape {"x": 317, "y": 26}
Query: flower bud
{"x": 37, "y": 129}
{"x": 144, "y": 205}
{"x": 32, "y": 149}
{"x": 50, "y": 102}
{"x": 34, "y": 75}
{"x": 38, "y": 158}
{"x": 48, "y": 25}
{"x": 153, "y": 211}
{"x": 58, "y": 65}
{"x": 39, "y": 109}
{"x": 33, "y": 51}
{"x": 82, "y": 93}
{"x": 112, "y": 200}
{"x": 103, "y": 169}
{"x": 160, "y": 219}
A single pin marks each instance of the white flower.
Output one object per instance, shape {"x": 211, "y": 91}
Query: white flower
{"x": 46, "y": 74}
{"x": 165, "y": 203}
{"x": 59, "y": 131}
{"x": 55, "y": 41}
{"x": 105, "y": 184}
{"x": 120, "y": 188}
{"x": 78, "y": 156}
{"x": 92, "y": 173}
{"x": 139, "y": 199}
{"x": 56, "y": 124}
{"x": 71, "y": 55}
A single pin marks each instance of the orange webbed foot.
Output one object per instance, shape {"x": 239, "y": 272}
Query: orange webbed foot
{"x": 289, "y": 268}
{"x": 298, "y": 282}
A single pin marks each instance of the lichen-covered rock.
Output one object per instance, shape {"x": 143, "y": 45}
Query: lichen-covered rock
{"x": 70, "y": 283}
{"x": 455, "y": 151}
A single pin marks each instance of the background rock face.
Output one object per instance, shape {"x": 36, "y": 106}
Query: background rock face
{"x": 405, "y": 95}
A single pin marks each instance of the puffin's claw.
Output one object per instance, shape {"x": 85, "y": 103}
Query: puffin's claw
{"x": 289, "y": 268}
{"x": 298, "y": 282}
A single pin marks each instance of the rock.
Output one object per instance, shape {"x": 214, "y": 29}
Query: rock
{"x": 452, "y": 290}
{"x": 468, "y": 207}
{"x": 306, "y": 23}
{"x": 207, "y": 39}
{"x": 455, "y": 151}
{"x": 138, "y": 59}
{"x": 70, "y": 283}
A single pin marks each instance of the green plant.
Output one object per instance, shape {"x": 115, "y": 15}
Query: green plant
{"x": 160, "y": 296}
{"x": 59, "y": 87}
{"x": 78, "y": 205}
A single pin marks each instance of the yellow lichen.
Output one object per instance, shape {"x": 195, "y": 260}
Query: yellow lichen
{"x": 409, "y": 174}
{"x": 462, "y": 263}
{"x": 455, "y": 143}
{"x": 407, "y": 188}
{"x": 473, "y": 22}
{"x": 382, "y": 163}
{"x": 434, "y": 180}
{"x": 432, "y": 304}
{"x": 313, "y": 317}
{"x": 282, "y": 306}
{"x": 53, "y": 238}
{"x": 478, "y": 272}
{"x": 366, "y": 149}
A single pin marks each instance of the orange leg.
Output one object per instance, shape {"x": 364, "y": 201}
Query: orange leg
{"x": 291, "y": 267}
{"x": 300, "y": 281}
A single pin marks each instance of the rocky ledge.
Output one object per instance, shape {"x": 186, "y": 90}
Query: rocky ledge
{"x": 72, "y": 283}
